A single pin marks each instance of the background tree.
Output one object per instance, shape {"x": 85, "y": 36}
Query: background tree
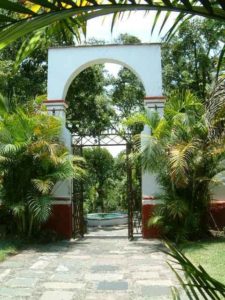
{"x": 23, "y": 74}
{"x": 190, "y": 58}
{"x": 100, "y": 170}
{"x": 28, "y": 80}
{"x": 127, "y": 94}
{"x": 89, "y": 109}
{"x": 127, "y": 91}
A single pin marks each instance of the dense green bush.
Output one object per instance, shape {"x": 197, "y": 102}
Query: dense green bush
{"x": 186, "y": 160}
{"x": 32, "y": 160}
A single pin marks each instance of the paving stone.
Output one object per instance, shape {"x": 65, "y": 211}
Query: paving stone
{"x": 156, "y": 290}
{"x": 62, "y": 268}
{"x": 73, "y": 252}
{"x": 64, "y": 285}
{"x": 105, "y": 276}
{"x": 104, "y": 268}
{"x": 4, "y": 274}
{"x": 40, "y": 265}
{"x": 166, "y": 297}
{"x": 7, "y": 292}
{"x": 66, "y": 276}
{"x": 22, "y": 282}
{"x": 13, "y": 264}
{"x": 104, "y": 296}
{"x": 48, "y": 257}
{"x": 155, "y": 282}
{"x": 57, "y": 295}
{"x": 30, "y": 274}
{"x": 146, "y": 275}
{"x": 74, "y": 256}
{"x": 112, "y": 285}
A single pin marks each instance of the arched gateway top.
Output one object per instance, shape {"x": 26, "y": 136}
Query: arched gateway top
{"x": 65, "y": 63}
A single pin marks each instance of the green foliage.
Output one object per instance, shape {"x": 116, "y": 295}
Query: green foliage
{"x": 27, "y": 82}
{"x": 120, "y": 179}
{"x": 185, "y": 162}
{"x": 209, "y": 253}
{"x": 196, "y": 282}
{"x": 127, "y": 94}
{"x": 100, "y": 165}
{"x": 8, "y": 247}
{"x": 26, "y": 17}
{"x": 89, "y": 110}
{"x": 32, "y": 160}
{"x": 190, "y": 58}
{"x": 127, "y": 39}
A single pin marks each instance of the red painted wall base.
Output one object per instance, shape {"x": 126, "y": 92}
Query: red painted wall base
{"x": 217, "y": 217}
{"x": 148, "y": 232}
{"x": 61, "y": 220}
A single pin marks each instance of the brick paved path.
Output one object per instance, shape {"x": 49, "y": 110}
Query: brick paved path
{"x": 104, "y": 265}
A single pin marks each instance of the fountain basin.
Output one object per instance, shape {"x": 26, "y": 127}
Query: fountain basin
{"x": 106, "y": 219}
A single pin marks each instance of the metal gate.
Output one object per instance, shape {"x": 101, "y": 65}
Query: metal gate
{"x": 110, "y": 138}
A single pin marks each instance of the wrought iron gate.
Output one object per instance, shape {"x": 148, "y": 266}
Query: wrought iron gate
{"x": 110, "y": 138}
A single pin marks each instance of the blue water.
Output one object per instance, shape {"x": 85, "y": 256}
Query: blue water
{"x": 101, "y": 216}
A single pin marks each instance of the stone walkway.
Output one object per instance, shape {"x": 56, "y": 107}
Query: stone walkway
{"x": 104, "y": 265}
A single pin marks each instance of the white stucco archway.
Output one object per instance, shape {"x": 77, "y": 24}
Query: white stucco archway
{"x": 65, "y": 63}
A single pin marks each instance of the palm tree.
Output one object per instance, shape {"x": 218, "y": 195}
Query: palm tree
{"x": 19, "y": 18}
{"x": 186, "y": 162}
{"x": 32, "y": 160}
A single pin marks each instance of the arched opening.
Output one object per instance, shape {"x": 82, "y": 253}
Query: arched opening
{"x": 98, "y": 99}
{"x": 102, "y": 61}
{"x": 66, "y": 62}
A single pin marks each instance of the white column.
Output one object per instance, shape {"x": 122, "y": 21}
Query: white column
{"x": 63, "y": 189}
{"x": 149, "y": 185}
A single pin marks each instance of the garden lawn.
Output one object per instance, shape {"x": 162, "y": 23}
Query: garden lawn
{"x": 8, "y": 247}
{"x": 210, "y": 254}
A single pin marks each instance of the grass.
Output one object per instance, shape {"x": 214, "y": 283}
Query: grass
{"x": 8, "y": 247}
{"x": 210, "y": 254}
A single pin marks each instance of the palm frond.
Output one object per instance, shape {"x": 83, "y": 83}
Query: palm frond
{"x": 152, "y": 154}
{"x": 30, "y": 17}
{"x": 215, "y": 110}
{"x": 149, "y": 118}
{"x": 180, "y": 156}
{"x": 43, "y": 186}
{"x": 40, "y": 207}
{"x": 196, "y": 282}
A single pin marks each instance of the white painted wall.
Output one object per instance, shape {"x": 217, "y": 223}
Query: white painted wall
{"x": 150, "y": 187}
{"x": 64, "y": 64}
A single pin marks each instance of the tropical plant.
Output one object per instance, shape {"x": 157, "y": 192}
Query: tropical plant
{"x": 23, "y": 17}
{"x": 32, "y": 160}
{"x": 120, "y": 175}
{"x": 196, "y": 283}
{"x": 185, "y": 162}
